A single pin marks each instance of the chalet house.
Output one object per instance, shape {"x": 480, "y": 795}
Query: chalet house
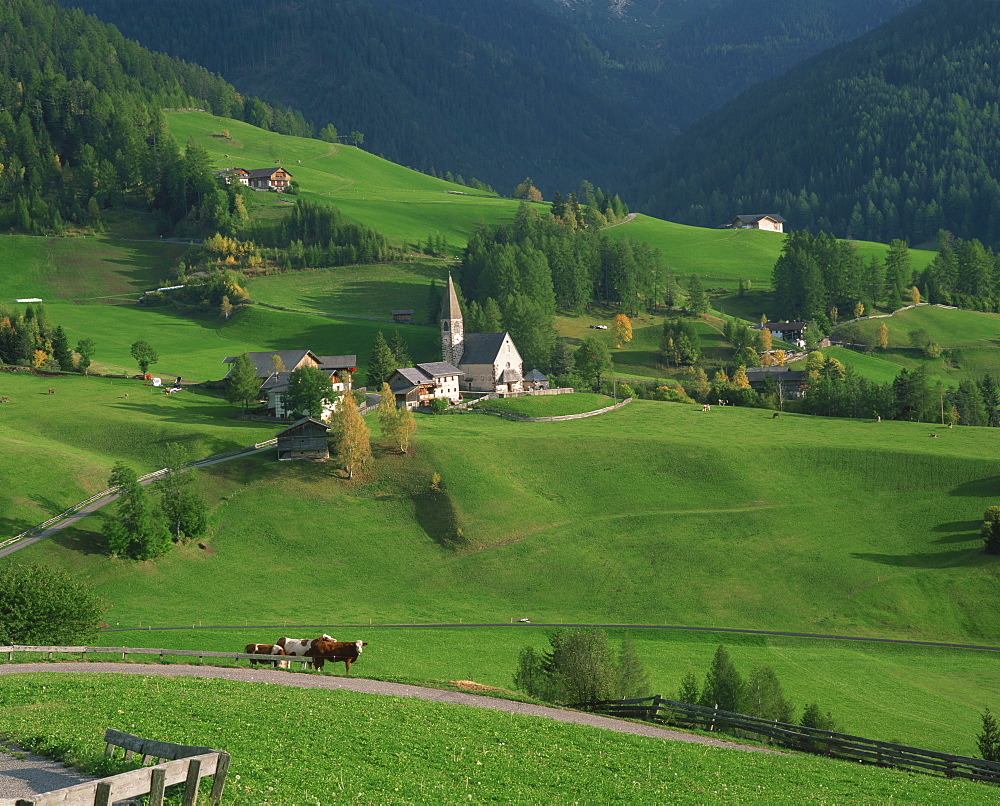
{"x": 490, "y": 362}
{"x": 269, "y": 179}
{"x": 772, "y": 222}
{"x": 792, "y": 382}
{"x": 422, "y": 384}
{"x": 793, "y": 332}
{"x": 305, "y": 439}
{"x": 274, "y": 375}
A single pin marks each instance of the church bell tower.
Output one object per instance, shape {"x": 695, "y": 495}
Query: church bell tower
{"x": 452, "y": 327}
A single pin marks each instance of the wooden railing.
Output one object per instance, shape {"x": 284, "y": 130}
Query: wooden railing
{"x": 124, "y": 652}
{"x": 798, "y": 737}
{"x": 182, "y": 764}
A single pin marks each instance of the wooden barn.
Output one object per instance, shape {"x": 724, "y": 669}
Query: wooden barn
{"x": 305, "y": 439}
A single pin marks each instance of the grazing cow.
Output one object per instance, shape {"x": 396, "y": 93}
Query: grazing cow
{"x": 52, "y": 391}
{"x": 263, "y": 649}
{"x": 298, "y": 646}
{"x": 4, "y": 399}
{"x": 336, "y": 651}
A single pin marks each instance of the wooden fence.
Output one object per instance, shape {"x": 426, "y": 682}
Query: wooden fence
{"x": 123, "y": 652}
{"x": 798, "y": 737}
{"x": 181, "y": 764}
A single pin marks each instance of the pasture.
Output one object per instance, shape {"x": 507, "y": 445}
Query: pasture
{"x": 656, "y": 513}
{"x": 315, "y": 746}
{"x": 924, "y": 696}
{"x": 59, "y": 449}
{"x": 194, "y": 347}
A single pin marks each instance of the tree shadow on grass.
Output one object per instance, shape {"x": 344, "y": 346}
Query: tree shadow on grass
{"x": 13, "y": 526}
{"x": 957, "y": 531}
{"x": 922, "y": 559}
{"x": 81, "y": 541}
{"x": 436, "y": 514}
{"x": 980, "y": 488}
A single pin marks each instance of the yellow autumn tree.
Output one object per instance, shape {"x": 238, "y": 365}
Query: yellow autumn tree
{"x": 353, "y": 439}
{"x": 779, "y": 357}
{"x": 740, "y": 380}
{"x": 882, "y": 334}
{"x": 914, "y": 295}
{"x": 622, "y": 328}
{"x": 859, "y": 310}
{"x": 766, "y": 339}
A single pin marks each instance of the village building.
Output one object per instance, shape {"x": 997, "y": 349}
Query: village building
{"x": 275, "y": 368}
{"x": 793, "y": 332}
{"x": 772, "y": 222}
{"x": 791, "y": 383}
{"x": 489, "y": 362}
{"x": 304, "y": 439}
{"x": 277, "y": 179}
{"x": 422, "y": 384}
{"x": 536, "y": 380}
{"x": 403, "y": 316}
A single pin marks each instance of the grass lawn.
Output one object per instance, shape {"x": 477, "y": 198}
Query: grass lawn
{"x": 296, "y": 746}
{"x": 550, "y": 405}
{"x": 948, "y": 327}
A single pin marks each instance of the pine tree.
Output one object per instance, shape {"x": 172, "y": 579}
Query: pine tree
{"x": 724, "y": 686}
{"x": 185, "y": 510}
{"x": 60, "y": 350}
{"x": 400, "y": 350}
{"x": 242, "y": 383}
{"x": 988, "y": 741}
{"x": 382, "y": 362}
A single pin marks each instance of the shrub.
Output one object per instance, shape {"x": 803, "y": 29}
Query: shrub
{"x": 44, "y": 607}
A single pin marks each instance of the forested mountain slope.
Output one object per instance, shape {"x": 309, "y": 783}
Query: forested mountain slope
{"x": 81, "y": 122}
{"x": 498, "y": 89}
{"x": 894, "y": 135}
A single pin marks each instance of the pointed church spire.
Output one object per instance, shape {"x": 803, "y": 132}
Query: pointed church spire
{"x": 452, "y": 327}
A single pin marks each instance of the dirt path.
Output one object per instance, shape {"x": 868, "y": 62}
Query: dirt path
{"x": 315, "y": 681}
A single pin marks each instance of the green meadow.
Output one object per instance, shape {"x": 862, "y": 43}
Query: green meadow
{"x": 314, "y": 746}
{"x": 551, "y": 405}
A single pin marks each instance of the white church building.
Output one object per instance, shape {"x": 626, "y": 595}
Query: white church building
{"x": 490, "y": 361}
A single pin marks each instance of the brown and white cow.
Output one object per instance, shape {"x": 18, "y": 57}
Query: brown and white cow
{"x": 336, "y": 651}
{"x": 263, "y": 649}
{"x": 298, "y": 646}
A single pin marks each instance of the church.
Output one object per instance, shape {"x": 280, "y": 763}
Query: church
{"x": 490, "y": 361}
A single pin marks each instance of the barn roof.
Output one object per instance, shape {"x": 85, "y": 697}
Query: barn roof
{"x": 302, "y": 422}
{"x": 438, "y": 369}
{"x": 337, "y": 361}
{"x": 753, "y": 219}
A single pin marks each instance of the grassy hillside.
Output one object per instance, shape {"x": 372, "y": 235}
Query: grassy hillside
{"x": 59, "y": 449}
{"x": 722, "y": 257}
{"x": 969, "y": 337}
{"x": 288, "y": 745}
{"x": 692, "y": 518}
{"x": 405, "y": 205}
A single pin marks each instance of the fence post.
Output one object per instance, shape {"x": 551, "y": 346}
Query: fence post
{"x": 219, "y": 781}
{"x": 103, "y": 795}
{"x": 191, "y": 785}
{"x": 715, "y": 713}
{"x": 655, "y": 715}
{"x": 157, "y": 786}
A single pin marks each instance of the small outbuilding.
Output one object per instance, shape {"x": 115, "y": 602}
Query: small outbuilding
{"x": 536, "y": 380}
{"x": 403, "y": 316}
{"x": 304, "y": 439}
{"x": 772, "y": 222}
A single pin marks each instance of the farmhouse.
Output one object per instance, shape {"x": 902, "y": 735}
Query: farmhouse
{"x": 275, "y": 368}
{"x": 772, "y": 222}
{"x": 305, "y": 439}
{"x": 422, "y": 384}
{"x": 786, "y": 331}
{"x": 230, "y": 175}
{"x": 269, "y": 179}
{"x": 489, "y": 361}
{"x": 791, "y": 382}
